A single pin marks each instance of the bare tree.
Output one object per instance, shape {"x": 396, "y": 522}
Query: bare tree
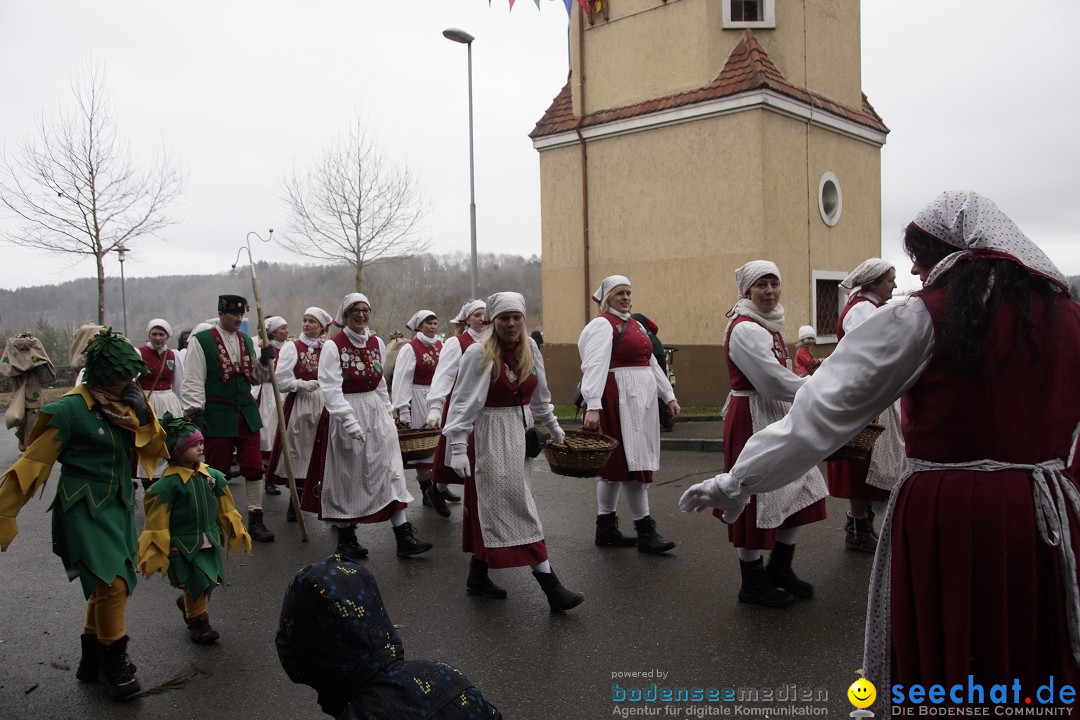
{"x": 75, "y": 188}
{"x": 353, "y": 207}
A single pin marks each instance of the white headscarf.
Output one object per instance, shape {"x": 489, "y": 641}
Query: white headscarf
{"x": 969, "y": 221}
{"x": 273, "y": 323}
{"x": 868, "y": 271}
{"x": 503, "y": 302}
{"x": 158, "y": 322}
{"x": 610, "y": 283}
{"x": 753, "y": 271}
{"x": 200, "y": 327}
{"x": 418, "y": 319}
{"x": 321, "y": 315}
{"x": 468, "y": 309}
{"x": 347, "y": 302}
{"x": 745, "y": 277}
{"x": 807, "y": 331}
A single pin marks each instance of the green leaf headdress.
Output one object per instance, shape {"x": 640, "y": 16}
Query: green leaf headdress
{"x": 110, "y": 358}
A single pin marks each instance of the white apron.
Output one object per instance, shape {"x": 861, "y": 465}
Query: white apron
{"x": 888, "y": 460}
{"x": 361, "y": 477}
{"x": 639, "y": 417}
{"x": 303, "y": 422}
{"x": 268, "y": 414}
{"x": 161, "y": 402}
{"x": 505, "y": 507}
{"x": 776, "y": 506}
{"x": 418, "y": 409}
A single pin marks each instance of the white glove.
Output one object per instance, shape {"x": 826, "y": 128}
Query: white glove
{"x": 459, "y": 459}
{"x": 404, "y": 416}
{"x": 352, "y": 428}
{"x": 434, "y": 418}
{"x": 557, "y": 434}
{"x": 722, "y": 492}
{"x": 306, "y": 386}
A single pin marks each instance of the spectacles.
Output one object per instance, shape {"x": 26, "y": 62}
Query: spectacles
{"x": 357, "y": 312}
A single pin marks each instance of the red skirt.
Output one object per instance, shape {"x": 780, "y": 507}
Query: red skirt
{"x": 847, "y": 479}
{"x": 309, "y": 501}
{"x": 472, "y": 541}
{"x": 744, "y": 532}
{"x": 442, "y": 472}
{"x": 616, "y": 469}
{"x": 975, "y": 591}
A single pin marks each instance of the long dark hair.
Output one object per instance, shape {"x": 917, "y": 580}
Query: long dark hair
{"x": 975, "y": 289}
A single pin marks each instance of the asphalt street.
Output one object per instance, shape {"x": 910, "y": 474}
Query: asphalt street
{"x": 669, "y": 621}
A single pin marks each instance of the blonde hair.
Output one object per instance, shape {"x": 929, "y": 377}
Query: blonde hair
{"x": 524, "y": 354}
{"x": 605, "y": 303}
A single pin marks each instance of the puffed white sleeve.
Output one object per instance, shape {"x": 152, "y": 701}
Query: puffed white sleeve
{"x": 873, "y": 366}
{"x": 594, "y": 347}
{"x": 404, "y": 367}
{"x": 663, "y": 386}
{"x": 193, "y": 389}
{"x": 857, "y": 315}
{"x": 445, "y": 374}
{"x": 330, "y": 383}
{"x": 543, "y": 411}
{"x": 380, "y": 389}
{"x": 469, "y": 396}
{"x": 178, "y": 374}
{"x": 750, "y": 348}
{"x": 286, "y": 364}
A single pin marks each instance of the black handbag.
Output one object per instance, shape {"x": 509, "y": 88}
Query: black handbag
{"x": 534, "y": 439}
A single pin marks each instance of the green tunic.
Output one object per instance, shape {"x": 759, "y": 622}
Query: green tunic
{"x": 228, "y": 392}
{"x": 192, "y": 507}
{"x": 93, "y": 522}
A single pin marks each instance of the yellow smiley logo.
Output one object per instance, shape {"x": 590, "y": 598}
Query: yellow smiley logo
{"x": 862, "y": 693}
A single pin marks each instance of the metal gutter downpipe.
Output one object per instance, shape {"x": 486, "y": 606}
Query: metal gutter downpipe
{"x": 584, "y": 162}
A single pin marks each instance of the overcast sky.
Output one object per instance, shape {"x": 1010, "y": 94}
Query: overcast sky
{"x": 240, "y": 92}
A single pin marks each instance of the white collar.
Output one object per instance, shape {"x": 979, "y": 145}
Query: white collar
{"x": 430, "y": 342}
{"x": 356, "y": 339}
{"x": 616, "y": 313}
{"x": 162, "y": 351}
{"x": 475, "y": 334}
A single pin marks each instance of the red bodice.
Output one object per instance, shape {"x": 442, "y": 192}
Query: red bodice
{"x": 155, "y": 363}
{"x": 635, "y": 348}
{"x": 426, "y": 360}
{"x": 361, "y": 367}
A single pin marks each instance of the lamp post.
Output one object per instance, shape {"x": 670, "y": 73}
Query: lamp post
{"x": 463, "y": 37}
{"x": 121, "y": 252}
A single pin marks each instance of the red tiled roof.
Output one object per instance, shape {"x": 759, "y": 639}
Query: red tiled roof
{"x": 747, "y": 68}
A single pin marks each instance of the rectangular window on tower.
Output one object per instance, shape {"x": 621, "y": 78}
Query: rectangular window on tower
{"x": 749, "y": 13}
{"x": 827, "y": 302}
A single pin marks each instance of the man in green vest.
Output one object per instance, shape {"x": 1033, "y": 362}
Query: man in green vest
{"x": 220, "y": 369}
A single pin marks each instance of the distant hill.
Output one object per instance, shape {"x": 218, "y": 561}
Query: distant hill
{"x": 397, "y": 288}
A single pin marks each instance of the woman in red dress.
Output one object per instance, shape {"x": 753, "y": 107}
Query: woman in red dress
{"x": 975, "y": 575}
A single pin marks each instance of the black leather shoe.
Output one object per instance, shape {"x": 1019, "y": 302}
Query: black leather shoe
{"x": 272, "y": 489}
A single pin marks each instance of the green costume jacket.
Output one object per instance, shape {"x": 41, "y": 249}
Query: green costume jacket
{"x": 228, "y": 390}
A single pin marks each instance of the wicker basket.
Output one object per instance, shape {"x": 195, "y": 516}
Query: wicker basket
{"x": 417, "y": 444}
{"x": 859, "y": 447}
{"x": 583, "y": 454}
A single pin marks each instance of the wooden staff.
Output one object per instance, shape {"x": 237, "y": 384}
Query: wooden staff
{"x": 285, "y": 450}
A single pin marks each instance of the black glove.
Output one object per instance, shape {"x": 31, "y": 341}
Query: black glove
{"x": 266, "y": 355}
{"x": 133, "y": 396}
{"x": 197, "y": 419}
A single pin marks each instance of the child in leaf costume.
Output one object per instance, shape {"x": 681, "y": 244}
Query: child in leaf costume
{"x": 190, "y": 518}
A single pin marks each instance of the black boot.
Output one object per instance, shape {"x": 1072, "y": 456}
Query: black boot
{"x": 558, "y": 597}
{"x": 434, "y": 498}
{"x": 859, "y": 535}
{"x": 347, "y": 544}
{"x": 607, "y": 532}
{"x": 407, "y": 544}
{"x": 272, "y": 488}
{"x": 648, "y": 540}
{"x": 450, "y": 496}
{"x": 290, "y": 514}
{"x": 424, "y": 485}
{"x": 116, "y": 671}
{"x": 757, "y": 588}
{"x": 479, "y": 583}
{"x": 258, "y": 531}
{"x": 90, "y": 661}
{"x": 780, "y": 574}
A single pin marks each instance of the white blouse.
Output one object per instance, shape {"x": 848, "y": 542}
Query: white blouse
{"x": 877, "y": 363}
{"x": 471, "y": 393}
{"x": 750, "y": 347}
{"x": 330, "y": 378}
{"x": 594, "y": 347}
{"x": 446, "y": 371}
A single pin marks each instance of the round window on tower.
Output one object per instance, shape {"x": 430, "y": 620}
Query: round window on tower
{"x": 830, "y": 199}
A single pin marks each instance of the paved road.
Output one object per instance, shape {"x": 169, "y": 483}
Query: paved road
{"x": 675, "y": 614}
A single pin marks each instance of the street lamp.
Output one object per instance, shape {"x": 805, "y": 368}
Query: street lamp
{"x": 121, "y": 252}
{"x": 463, "y": 37}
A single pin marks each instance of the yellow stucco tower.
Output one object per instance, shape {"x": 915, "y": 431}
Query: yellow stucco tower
{"x": 691, "y": 137}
